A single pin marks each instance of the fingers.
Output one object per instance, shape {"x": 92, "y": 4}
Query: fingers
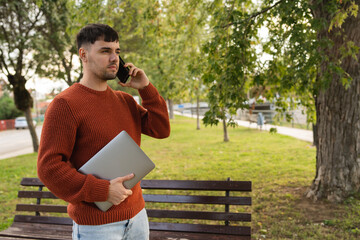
{"x": 133, "y": 69}
{"x": 117, "y": 192}
{"x": 125, "y": 178}
{"x": 138, "y": 80}
{"x": 122, "y": 179}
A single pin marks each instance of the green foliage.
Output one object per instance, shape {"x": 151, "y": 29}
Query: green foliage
{"x": 273, "y": 130}
{"x": 170, "y": 43}
{"x": 347, "y": 8}
{"x": 230, "y": 58}
{"x": 57, "y": 50}
{"x": 8, "y": 109}
{"x": 19, "y": 21}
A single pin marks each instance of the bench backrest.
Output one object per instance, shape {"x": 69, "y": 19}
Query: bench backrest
{"x": 203, "y": 206}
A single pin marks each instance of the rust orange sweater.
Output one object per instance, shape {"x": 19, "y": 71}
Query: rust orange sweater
{"x": 78, "y": 123}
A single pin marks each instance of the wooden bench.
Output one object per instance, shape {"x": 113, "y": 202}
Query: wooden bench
{"x": 177, "y": 209}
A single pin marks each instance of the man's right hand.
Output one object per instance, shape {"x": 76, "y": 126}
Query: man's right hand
{"x": 117, "y": 192}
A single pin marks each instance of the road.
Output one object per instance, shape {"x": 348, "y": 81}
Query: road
{"x": 16, "y": 142}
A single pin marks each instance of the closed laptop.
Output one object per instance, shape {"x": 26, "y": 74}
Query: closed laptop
{"x": 120, "y": 157}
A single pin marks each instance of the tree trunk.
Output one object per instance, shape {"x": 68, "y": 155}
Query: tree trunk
{"x": 197, "y": 113}
{"x": 338, "y": 121}
{"x": 226, "y": 136}
{"x": 171, "y": 108}
{"x": 24, "y": 102}
{"x": 32, "y": 130}
{"x": 315, "y": 139}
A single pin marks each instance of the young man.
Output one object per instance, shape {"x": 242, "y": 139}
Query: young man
{"x": 83, "y": 119}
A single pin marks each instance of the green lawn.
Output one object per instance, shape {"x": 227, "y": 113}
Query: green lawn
{"x": 280, "y": 167}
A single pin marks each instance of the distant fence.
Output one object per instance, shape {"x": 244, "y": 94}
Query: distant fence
{"x": 7, "y": 124}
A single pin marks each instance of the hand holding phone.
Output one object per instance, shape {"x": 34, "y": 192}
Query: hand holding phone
{"x": 139, "y": 80}
{"x": 123, "y": 72}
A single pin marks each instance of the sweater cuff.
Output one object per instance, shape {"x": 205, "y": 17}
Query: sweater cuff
{"x": 99, "y": 191}
{"x": 148, "y": 92}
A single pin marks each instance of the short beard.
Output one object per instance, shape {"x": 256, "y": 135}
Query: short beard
{"x": 107, "y": 76}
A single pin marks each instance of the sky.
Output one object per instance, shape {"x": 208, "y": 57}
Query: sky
{"x": 44, "y": 86}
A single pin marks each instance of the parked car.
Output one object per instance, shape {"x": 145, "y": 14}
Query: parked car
{"x": 20, "y": 122}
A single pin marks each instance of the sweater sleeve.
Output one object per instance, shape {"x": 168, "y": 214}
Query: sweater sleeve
{"x": 154, "y": 113}
{"x": 53, "y": 166}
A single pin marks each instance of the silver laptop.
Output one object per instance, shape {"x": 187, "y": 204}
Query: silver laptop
{"x": 120, "y": 157}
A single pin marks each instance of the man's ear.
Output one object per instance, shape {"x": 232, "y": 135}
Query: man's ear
{"x": 83, "y": 54}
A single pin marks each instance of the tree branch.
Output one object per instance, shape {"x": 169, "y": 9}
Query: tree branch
{"x": 9, "y": 46}
{"x": 252, "y": 16}
{"x": 264, "y": 10}
{"x": 3, "y": 63}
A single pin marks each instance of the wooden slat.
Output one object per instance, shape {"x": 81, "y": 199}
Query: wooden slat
{"x": 197, "y": 185}
{"x": 43, "y": 220}
{"x": 218, "y": 216}
{"x": 159, "y": 198}
{"x": 38, "y": 231}
{"x": 196, "y": 228}
{"x": 31, "y": 182}
{"x": 36, "y": 194}
{"x": 41, "y": 208}
{"x": 168, "y": 235}
{"x": 197, "y": 199}
{"x": 175, "y": 184}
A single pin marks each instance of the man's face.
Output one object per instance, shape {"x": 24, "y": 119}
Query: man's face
{"x": 102, "y": 59}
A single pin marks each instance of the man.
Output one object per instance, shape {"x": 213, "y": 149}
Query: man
{"x": 83, "y": 119}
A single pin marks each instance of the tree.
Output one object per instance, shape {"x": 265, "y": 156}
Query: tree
{"x": 19, "y": 21}
{"x": 338, "y": 103}
{"x": 166, "y": 50}
{"x": 315, "y": 48}
{"x": 231, "y": 60}
{"x": 196, "y": 36}
{"x": 57, "y": 51}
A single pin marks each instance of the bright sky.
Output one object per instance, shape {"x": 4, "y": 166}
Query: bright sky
{"x": 44, "y": 86}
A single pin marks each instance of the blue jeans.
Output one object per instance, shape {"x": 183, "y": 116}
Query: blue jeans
{"x": 136, "y": 228}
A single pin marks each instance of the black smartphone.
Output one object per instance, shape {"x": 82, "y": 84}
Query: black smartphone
{"x": 123, "y": 72}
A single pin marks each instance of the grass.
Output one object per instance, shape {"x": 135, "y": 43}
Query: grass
{"x": 280, "y": 167}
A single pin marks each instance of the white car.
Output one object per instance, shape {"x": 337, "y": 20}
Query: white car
{"x": 20, "y": 122}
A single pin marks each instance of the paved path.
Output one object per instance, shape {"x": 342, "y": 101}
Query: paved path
{"x": 306, "y": 135}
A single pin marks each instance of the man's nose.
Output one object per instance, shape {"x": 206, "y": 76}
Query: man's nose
{"x": 114, "y": 57}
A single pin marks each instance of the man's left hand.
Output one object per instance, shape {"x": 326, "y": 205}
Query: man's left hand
{"x": 138, "y": 80}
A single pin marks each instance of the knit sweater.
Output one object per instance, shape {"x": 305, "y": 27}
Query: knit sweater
{"x": 78, "y": 123}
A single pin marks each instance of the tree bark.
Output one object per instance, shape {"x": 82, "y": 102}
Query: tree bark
{"x": 171, "y": 108}
{"x": 226, "y": 136}
{"x": 197, "y": 113}
{"x": 32, "y": 130}
{"x": 24, "y": 102}
{"x": 338, "y": 120}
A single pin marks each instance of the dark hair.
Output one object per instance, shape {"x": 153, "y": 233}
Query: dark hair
{"x": 93, "y": 32}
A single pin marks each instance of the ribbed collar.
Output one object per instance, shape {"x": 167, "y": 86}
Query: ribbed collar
{"x": 78, "y": 85}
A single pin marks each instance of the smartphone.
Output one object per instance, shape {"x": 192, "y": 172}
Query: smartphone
{"x": 123, "y": 72}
